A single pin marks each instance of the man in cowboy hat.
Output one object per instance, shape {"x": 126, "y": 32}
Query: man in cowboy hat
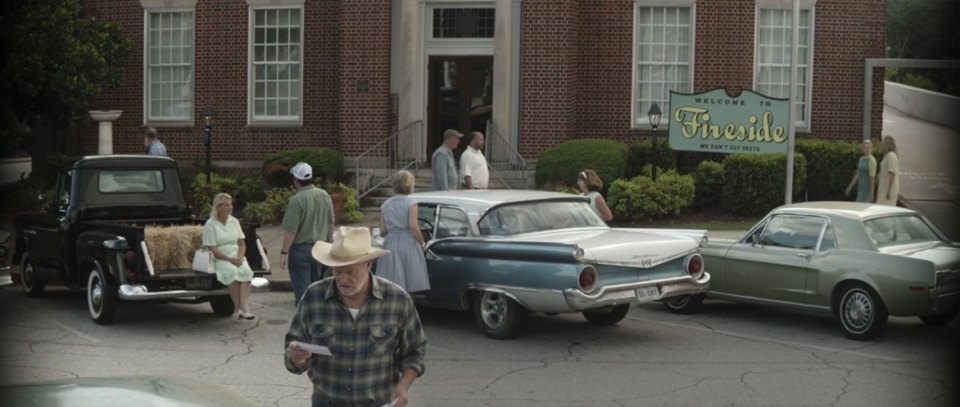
{"x": 369, "y": 326}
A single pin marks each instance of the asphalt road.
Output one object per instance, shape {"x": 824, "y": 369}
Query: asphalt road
{"x": 729, "y": 354}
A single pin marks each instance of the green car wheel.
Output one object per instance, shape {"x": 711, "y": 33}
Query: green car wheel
{"x": 861, "y": 312}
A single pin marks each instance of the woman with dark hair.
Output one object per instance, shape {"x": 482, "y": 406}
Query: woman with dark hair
{"x": 590, "y": 185}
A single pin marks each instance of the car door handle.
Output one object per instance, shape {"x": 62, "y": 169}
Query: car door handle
{"x": 803, "y": 255}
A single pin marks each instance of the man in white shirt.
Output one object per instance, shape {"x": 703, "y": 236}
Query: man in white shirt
{"x": 473, "y": 165}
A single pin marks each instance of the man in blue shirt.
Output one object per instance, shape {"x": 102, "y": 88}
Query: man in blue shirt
{"x": 153, "y": 144}
{"x": 444, "y": 167}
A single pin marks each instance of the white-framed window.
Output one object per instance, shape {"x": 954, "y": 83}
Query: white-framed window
{"x": 168, "y": 66}
{"x": 663, "y": 55}
{"x": 774, "y": 35}
{"x": 275, "y": 65}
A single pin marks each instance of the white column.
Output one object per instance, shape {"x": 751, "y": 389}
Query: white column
{"x": 502, "y": 75}
{"x": 106, "y": 118}
{"x": 412, "y": 137}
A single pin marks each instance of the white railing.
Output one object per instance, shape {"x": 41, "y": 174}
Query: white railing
{"x": 394, "y": 152}
{"x": 501, "y": 156}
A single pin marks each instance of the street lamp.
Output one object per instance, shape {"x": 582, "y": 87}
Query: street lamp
{"x": 654, "y": 115}
{"x": 207, "y": 115}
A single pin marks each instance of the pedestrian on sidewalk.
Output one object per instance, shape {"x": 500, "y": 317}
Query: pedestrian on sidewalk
{"x": 152, "y": 143}
{"x": 405, "y": 265}
{"x": 367, "y": 338}
{"x": 309, "y": 219}
{"x": 888, "y": 180}
{"x": 444, "y": 166}
{"x": 866, "y": 174}
{"x": 224, "y": 238}
{"x": 590, "y": 185}
{"x": 473, "y": 165}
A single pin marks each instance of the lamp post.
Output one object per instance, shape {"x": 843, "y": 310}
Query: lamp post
{"x": 654, "y": 115}
{"x": 207, "y": 115}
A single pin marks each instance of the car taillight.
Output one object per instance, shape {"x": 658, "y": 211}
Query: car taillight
{"x": 587, "y": 278}
{"x": 695, "y": 265}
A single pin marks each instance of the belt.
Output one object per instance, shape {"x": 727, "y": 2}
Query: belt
{"x": 301, "y": 244}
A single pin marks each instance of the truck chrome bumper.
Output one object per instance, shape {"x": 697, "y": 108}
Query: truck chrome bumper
{"x": 627, "y": 293}
{"x": 139, "y": 293}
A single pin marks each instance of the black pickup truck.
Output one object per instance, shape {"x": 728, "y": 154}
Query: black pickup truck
{"x": 92, "y": 237}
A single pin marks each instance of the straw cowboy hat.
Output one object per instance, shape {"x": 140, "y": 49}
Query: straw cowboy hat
{"x": 351, "y": 245}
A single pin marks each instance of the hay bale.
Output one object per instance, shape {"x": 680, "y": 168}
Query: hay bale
{"x": 172, "y": 247}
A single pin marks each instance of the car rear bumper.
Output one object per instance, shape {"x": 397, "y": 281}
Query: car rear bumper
{"x": 140, "y": 293}
{"x": 627, "y": 293}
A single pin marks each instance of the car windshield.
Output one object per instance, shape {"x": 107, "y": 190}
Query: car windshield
{"x": 526, "y": 217}
{"x": 899, "y": 230}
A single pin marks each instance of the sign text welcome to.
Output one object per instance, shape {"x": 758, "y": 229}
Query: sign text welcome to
{"x": 716, "y": 122}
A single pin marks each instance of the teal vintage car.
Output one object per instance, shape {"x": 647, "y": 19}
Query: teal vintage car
{"x": 858, "y": 261}
{"x": 506, "y": 253}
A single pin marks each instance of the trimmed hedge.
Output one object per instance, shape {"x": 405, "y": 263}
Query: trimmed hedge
{"x": 327, "y": 165}
{"x": 562, "y": 163}
{"x": 753, "y": 183}
{"x": 640, "y": 155}
{"x": 708, "y": 179}
{"x": 831, "y": 165}
{"x": 640, "y": 198}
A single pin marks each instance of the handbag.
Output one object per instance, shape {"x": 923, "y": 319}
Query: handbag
{"x": 202, "y": 261}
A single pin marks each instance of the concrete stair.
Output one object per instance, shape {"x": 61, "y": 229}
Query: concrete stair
{"x": 515, "y": 179}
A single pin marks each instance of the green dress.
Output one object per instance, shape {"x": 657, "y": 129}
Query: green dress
{"x": 225, "y": 238}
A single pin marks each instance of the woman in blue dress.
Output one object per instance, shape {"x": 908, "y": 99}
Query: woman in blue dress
{"x": 405, "y": 265}
{"x": 590, "y": 185}
{"x": 865, "y": 176}
{"x": 224, "y": 238}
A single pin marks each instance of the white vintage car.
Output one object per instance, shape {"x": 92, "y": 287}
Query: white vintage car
{"x": 506, "y": 253}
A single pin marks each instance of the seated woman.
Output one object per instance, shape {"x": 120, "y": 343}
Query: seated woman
{"x": 224, "y": 238}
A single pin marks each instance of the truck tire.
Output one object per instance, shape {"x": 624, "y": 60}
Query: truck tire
{"x": 222, "y": 305}
{"x": 28, "y": 278}
{"x": 101, "y": 301}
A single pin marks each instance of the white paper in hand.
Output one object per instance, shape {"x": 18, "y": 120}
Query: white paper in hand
{"x": 313, "y": 348}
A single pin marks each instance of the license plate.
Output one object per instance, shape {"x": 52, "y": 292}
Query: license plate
{"x": 198, "y": 283}
{"x": 648, "y": 293}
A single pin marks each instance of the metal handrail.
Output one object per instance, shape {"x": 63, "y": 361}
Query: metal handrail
{"x": 390, "y": 157}
{"x": 514, "y": 161}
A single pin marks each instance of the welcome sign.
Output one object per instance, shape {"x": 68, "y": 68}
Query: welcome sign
{"x": 718, "y": 123}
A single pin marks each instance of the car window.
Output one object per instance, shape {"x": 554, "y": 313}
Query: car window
{"x": 897, "y": 230}
{"x": 829, "y": 240}
{"x": 129, "y": 181}
{"x": 452, "y": 222}
{"x": 526, "y": 217}
{"x": 796, "y": 232}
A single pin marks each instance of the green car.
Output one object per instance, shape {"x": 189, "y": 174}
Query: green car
{"x": 858, "y": 261}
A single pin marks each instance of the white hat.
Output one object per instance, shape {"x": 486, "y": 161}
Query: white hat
{"x": 302, "y": 171}
{"x": 351, "y": 245}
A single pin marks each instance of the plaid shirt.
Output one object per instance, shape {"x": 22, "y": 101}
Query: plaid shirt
{"x": 369, "y": 353}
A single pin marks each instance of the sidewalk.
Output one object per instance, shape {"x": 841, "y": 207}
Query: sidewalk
{"x": 272, "y": 238}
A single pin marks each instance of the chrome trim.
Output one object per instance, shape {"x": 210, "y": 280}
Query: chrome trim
{"x": 764, "y": 301}
{"x": 171, "y": 294}
{"x": 625, "y": 293}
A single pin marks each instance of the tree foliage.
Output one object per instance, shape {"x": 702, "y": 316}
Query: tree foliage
{"x": 55, "y": 61}
{"x": 924, "y": 29}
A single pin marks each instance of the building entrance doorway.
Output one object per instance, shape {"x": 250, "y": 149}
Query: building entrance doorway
{"x": 461, "y": 97}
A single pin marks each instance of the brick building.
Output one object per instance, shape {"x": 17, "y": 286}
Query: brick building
{"x": 349, "y": 74}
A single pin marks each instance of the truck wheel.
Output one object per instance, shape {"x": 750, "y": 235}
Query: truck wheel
{"x": 28, "y": 278}
{"x": 101, "y": 302}
{"x": 222, "y": 305}
{"x": 498, "y": 315}
{"x": 607, "y": 317}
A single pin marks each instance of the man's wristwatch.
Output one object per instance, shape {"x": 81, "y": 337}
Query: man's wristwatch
{"x": 283, "y": 252}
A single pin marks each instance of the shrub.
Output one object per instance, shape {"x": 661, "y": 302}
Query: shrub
{"x": 350, "y": 212}
{"x": 753, "y": 183}
{"x": 327, "y": 165}
{"x": 249, "y": 189}
{"x": 640, "y": 155}
{"x": 201, "y": 193}
{"x": 47, "y": 168}
{"x": 708, "y": 179}
{"x": 562, "y": 163}
{"x": 560, "y": 187}
{"x": 640, "y": 198}
{"x": 278, "y": 198}
{"x": 259, "y": 212}
{"x": 830, "y": 165}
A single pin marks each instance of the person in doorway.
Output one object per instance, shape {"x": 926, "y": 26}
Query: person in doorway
{"x": 405, "y": 265}
{"x": 866, "y": 175}
{"x": 444, "y": 166}
{"x": 371, "y": 344}
{"x": 224, "y": 238}
{"x": 473, "y": 165}
{"x": 590, "y": 185}
{"x": 888, "y": 179}
{"x": 309, "y": 219}
{"x": 152, "y": 143}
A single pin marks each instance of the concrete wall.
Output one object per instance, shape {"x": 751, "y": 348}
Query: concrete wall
{"x": 923, "y": 104}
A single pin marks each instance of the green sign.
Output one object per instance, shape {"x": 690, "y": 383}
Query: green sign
{"x": 718, "y": 123}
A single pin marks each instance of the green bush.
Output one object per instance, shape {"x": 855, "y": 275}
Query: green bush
{"x": 640, "y": 155}
{"x": 351, "y": 208}
{"x": 249, "y": 189}
{"x": 753, "y": 183}
{"x": 259, "y": 212}
{"x": 201, "y": 193}
{"x": 640, "y": 198}
{"x": 708, "y": 179}
{"x": 327, "y": 165}
{"x": 830, "y": 165}
{"x": 47, "y": 168}
{"x": 562, "y": 163}
{"x": 278, "y": 198}
{"x": 560, "y": 187}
